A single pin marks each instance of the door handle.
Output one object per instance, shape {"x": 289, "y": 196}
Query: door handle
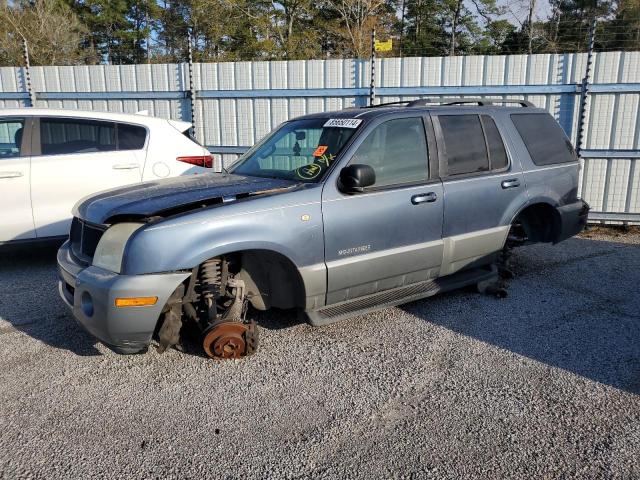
{"x": 424, "y": 198}
{"x": 511, "y": 183}
{"x": 10, "y": 174}
{"x": 125, "y": 166}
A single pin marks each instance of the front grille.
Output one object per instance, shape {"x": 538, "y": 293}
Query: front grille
{"x": 84, "y": 237}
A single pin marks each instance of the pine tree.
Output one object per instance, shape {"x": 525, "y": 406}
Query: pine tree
{"x": 119, "y": 30}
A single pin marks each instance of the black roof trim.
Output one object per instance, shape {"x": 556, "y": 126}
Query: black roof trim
{"x": 423, "y": 102}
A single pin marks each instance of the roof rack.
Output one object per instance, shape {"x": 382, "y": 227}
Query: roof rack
{"x": 388, "y": 103}
{"x": 454, "y": 101}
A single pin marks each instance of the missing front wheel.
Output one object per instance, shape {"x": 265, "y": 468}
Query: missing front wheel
{"x": 231, "y": 340}
{"x": 215, "y": 302}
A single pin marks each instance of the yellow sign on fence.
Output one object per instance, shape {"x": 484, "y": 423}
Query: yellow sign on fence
{"x": 385, "y": 46}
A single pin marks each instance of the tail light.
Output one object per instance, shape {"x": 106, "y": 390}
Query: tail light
{"x": 205, "y": 161}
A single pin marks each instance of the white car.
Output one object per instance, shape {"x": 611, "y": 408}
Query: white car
{"x": 50, "y": 159}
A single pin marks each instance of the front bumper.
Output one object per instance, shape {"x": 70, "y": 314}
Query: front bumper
{"x": 91, "y": 292}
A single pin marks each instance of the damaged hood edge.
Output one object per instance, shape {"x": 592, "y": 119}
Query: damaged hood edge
{"x": 174, "y": 195}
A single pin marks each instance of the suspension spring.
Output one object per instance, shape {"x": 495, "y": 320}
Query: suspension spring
{"x": 211, "y": 279}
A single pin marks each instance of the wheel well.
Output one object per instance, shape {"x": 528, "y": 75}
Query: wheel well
{"x": 271, "y": 279}
{"x": 540, "y": 222}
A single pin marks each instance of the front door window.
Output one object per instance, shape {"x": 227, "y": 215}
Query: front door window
{"x": 397, "y": 151}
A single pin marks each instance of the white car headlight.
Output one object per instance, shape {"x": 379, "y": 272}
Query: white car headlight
{"x": 110, "y": 248}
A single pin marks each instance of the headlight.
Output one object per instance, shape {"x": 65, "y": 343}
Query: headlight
{"x": 110, "y": 248}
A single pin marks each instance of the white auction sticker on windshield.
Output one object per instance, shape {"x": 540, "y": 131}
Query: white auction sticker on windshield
{"x": 343, "y": 122}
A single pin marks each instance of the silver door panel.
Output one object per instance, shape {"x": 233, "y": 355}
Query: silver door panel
{"x": 462, "y": 250}
{"x": 390, "y": 268}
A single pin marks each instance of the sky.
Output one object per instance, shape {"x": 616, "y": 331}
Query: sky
{"x": 518, "y": 10}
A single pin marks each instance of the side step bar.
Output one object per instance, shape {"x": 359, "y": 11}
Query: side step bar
{"x": 397, "y": 296}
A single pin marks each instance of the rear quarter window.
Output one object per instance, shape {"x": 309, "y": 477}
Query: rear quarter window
{"x": 544, "y": 138}
{"x": 189, "y": 134}
{"x": 497, "y": 153}
{"x": 131, "y": 137}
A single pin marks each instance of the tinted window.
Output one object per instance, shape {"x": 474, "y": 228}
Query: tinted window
{"x": 189, "y": 134}
{"x": 10, "y": 137}
{"x": 397, "y": 151}
{"x": 497, "y": 153}
{"x": 131, "y": 137}
{"x": 64, "y": 136}
{"x": 464, "y": 142}
{"x": 544, "y": 138}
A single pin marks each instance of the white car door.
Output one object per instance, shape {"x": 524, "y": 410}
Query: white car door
{"x": 77, "y": 157}
{"x": 16, "y": 218}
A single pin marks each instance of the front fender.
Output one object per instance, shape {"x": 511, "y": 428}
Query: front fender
{"x": 289, "y": 225}
{"x": 180, "y": 244}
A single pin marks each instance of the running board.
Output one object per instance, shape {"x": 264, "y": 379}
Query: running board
{"x": 399, "y": 295}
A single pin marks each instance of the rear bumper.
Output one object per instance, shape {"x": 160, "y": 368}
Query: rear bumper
{"x": 573, "y": 219}
{"x": 90, "y": 293}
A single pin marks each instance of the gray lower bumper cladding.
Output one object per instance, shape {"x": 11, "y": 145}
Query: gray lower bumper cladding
{"x": 91, "y": 292}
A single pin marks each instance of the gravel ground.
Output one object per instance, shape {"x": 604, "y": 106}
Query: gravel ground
{"x": 542, "y": 384}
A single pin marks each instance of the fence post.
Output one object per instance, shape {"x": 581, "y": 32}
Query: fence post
{"x": 402, "y": 28}
{"x": 372, "y": 86}
{"x": 584, "y": 88}
{"x": 27, "y": 73}
{"x": 192, "y": 88}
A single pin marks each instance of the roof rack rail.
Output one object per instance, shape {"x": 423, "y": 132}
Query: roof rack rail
{"x": 453, "y": 101}
{"x": 461, "y": 101}
{"x": 388, "y": 103}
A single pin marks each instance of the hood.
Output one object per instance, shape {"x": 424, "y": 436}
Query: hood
{"x": 173, "y": 195}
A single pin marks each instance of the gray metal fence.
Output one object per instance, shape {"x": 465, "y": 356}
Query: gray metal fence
{"x": 237, "y": 103}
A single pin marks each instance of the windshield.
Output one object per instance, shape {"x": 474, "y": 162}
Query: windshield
{"x": 301, "y": 150}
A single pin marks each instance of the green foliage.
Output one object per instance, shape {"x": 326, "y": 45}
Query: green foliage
{"x": 450, "y": 27}
{"x": 118, "y": 29}
{"x": 139, "y": 31}
{"x": 51, "y": 28}
{"x": 424, "y": 28}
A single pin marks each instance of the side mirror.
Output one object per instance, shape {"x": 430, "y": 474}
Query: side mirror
{"x": 355, "y": 178}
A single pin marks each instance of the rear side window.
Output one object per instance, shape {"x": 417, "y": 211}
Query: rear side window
{"x": 60, "y": 136}
{"x": 544, "y": 138}
{"x": 131, "y": 137}
{"x": 464, "y": 142}
{"x": 397, "y": 151}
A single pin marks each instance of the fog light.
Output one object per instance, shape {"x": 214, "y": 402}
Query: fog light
{"x": 86, "y": 303}
{"x": 136, "y": 301}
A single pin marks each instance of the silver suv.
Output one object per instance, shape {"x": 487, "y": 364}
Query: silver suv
{"x": 335, "y": 214}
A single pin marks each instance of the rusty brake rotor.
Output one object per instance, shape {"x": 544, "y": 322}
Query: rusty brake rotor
{"x": 230, "y": 340}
